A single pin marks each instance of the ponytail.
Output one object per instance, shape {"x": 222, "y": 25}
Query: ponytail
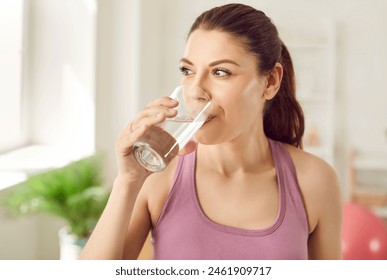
{"x": 283, "y": 118}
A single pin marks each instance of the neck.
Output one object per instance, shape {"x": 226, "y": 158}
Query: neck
{"x": 243, "y": 155}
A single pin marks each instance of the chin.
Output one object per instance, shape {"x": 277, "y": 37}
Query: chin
{"x": 210, "y": 133}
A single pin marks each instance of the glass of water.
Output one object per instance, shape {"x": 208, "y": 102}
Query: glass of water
{"x": 161, "y": 143}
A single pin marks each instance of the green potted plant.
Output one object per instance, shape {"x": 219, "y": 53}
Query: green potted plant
{"x": 74, "y": 193}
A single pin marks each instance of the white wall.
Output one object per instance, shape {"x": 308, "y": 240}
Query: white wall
{"x": 61, "y": 74}
{"x": 117, "y": 73}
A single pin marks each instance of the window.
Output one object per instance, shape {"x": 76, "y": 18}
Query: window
{"x": 11, "y": 41}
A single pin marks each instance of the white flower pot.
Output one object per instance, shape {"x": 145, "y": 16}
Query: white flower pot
{"x": 70, "y": 246}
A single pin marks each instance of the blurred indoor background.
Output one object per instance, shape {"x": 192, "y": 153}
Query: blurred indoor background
{"x": 74, "y": 72}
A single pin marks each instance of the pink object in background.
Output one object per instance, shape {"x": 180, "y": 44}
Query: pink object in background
{"x": 364, "y": 234}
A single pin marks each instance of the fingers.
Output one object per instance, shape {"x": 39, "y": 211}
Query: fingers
{"x": 151, "y": 115}
{"x": 163, "y": 101}
{"x": 124, "y": 145}
{"x": 134, "y": 129}
{"x": 164, "y": 105}
{"x": 147, "y": 120}
{"x": 154, "y": 113}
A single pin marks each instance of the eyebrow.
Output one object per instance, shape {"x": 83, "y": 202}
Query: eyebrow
{"x": 217, "y": 62}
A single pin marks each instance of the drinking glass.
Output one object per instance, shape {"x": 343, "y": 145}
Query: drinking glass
{"x": 161, "y": 143}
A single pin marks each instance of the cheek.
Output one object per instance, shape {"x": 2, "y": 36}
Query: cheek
{"x": 253, "y": 99}
{"x": 218, "y": 130}
{"x": 244, "y": 106}
{"x": 208, "y": 134}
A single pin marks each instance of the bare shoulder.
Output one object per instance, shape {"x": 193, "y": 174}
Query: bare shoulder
{"x": 310, "y": 167}
{"x": 318, "y": 183}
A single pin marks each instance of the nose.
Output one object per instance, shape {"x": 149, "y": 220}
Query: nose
{"x": 202, "y": 83}
{"x": 197, "y": 93}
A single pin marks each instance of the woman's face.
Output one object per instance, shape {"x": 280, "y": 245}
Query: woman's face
{"x": 214, "y": 61}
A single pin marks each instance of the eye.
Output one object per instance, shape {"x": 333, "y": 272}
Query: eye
{"x": 221, "y": 72}
{"x": 185, "y": 71}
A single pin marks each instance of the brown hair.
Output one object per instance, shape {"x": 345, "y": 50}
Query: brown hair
{"x": 283, "y": 118}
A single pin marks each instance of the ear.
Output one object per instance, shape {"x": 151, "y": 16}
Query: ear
{"x": 273, "y": 84}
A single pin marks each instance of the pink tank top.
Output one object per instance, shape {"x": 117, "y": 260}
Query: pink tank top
{"x": 183, "y": 231}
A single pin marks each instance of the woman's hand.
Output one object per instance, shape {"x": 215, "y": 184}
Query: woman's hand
{"x": 154, "y": 113}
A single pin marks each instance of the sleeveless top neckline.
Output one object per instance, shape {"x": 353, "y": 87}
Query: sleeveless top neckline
{"x": 248, "y": 232}
{"x": 182, "y": 229}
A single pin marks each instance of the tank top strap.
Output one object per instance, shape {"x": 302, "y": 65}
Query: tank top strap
{"x": 282, "y": 160}
{"x": 288, "y": 180}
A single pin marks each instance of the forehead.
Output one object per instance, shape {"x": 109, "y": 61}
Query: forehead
{"x": 214, "y": 44}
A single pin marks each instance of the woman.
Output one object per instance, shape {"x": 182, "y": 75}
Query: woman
{"x": 246, "y": 190}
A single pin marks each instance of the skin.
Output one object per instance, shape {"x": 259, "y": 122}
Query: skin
{"x": 233, "y": 157}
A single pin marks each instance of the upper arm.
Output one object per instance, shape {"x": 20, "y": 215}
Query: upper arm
{"x": 322, "y": 197}
{"x": 325, "y": 240}
{"x": 147, "y": 208}
{"x": 138, "y": 228}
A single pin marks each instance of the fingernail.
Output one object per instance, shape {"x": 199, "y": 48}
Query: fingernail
{"x": 173, "y": 101}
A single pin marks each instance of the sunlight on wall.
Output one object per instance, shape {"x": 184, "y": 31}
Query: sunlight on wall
{"x": 78, "y": 114}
